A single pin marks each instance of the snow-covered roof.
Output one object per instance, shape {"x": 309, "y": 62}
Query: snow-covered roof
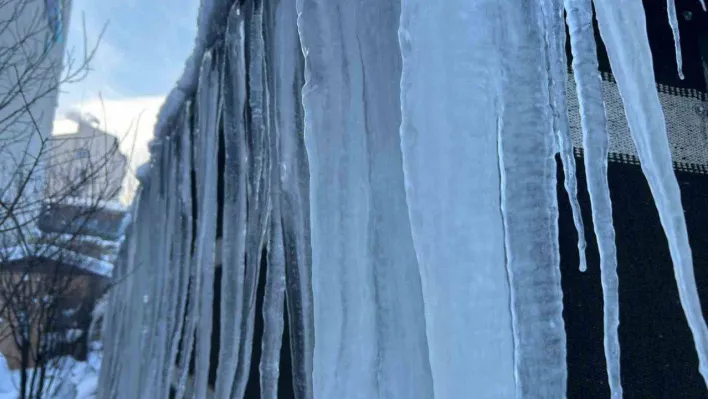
{"x": 211, "y": 25}
{"x": 80, "y": 261}
{"x": 112, "y": 205}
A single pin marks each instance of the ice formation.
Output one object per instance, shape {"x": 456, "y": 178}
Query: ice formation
{"x": 384, "y": 193}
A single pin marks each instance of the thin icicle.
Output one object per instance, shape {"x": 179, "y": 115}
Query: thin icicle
{"x": 257, "y": 187}
{"x": 703, "y": 4}
{"x": 623, "y": 29}
{"x": 273, "y": 306}
{"x": 556, "y": 61}
{"x": 195, "y": 275}
{"x": 208, "y": 108}
{"x": 595, "y": 144}
{"x": 183, "y": 247}
{"x": 234, "y": 221}
{"x": 673, "y": 21}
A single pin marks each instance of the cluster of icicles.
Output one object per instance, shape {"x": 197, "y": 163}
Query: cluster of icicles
{"x": 394, "y": 163}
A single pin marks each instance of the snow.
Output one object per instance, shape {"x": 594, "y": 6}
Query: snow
{"x": 69, "y": 379}
{"x": 83, "y": 262}
{"x": 108, "y": 205}
{"x": 6, "y": 385}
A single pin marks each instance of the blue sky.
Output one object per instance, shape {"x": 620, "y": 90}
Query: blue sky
{"x": 139, "y": 59}
{"x": 142, "y": 52}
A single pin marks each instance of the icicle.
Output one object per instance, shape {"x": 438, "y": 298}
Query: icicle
{"x": 595, "y": 144}
{"x": 703, "y": 4}
{"x": 623, "y": 29}
{"x": 257, "y": 185}
{"x": 673, "y": 21}
{"x": 273, "y": 306}
{"x": 289, "y": 71}
{"x": 183, "y": 247}
{"x": 193, "y": 267}
{"x": 529, "y": 206}
{"x": 208, "y": 113}
{"x": 557, "y": 66}
{"x": 367, "y": 295}
{"x": 234, "y": 222}
{"x": 449, "y": 144}
{"x": 399, "y": 305}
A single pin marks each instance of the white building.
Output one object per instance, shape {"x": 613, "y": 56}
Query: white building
{"x": 84, "y": 162}
{"x": 32, "y": 39}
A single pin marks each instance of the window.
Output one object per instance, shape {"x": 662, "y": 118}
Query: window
{"x": 82, "y": 153}
{"x": 55, "y": 16}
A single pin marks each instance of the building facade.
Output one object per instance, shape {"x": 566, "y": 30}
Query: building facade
{"x": 85, "y": 164}
{"x": 33, "y": 41}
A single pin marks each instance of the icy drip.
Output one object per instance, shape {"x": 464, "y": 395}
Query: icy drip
{"x": 595, "y": 144}
{"x": 529, "y": 206}
{"x": 208, "y": 111}
{"x": 623, "y": 29}
{"x": 257, "y": 184}
{"x": 234, "y": 223}
{"x": 556, "y": 59}
{"x": 673, "y": 22}
{"x": 451, "y": 165}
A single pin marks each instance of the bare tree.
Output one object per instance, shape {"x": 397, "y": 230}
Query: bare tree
{"x": 47, "y": 267}
{"x": 45, "y": 180}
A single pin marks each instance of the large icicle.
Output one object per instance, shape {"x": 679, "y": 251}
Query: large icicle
{"x": 623, "y": 29}
{"x": 673, "y": 22}
{"x": 234, "y": 221}
{"x": 557, "y": 69}
{"x": 449, "y": 141}
{"x": 208, "y": 113}
{"x": 529, "y": 205}
{"x": 368, "y": 305}
{"x": 288, "y": 73}
{"x": 595, "y": 144}
{"x": 400, "y": 311}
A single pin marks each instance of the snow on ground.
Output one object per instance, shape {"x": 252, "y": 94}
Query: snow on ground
{"x": 74, "y": 379}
